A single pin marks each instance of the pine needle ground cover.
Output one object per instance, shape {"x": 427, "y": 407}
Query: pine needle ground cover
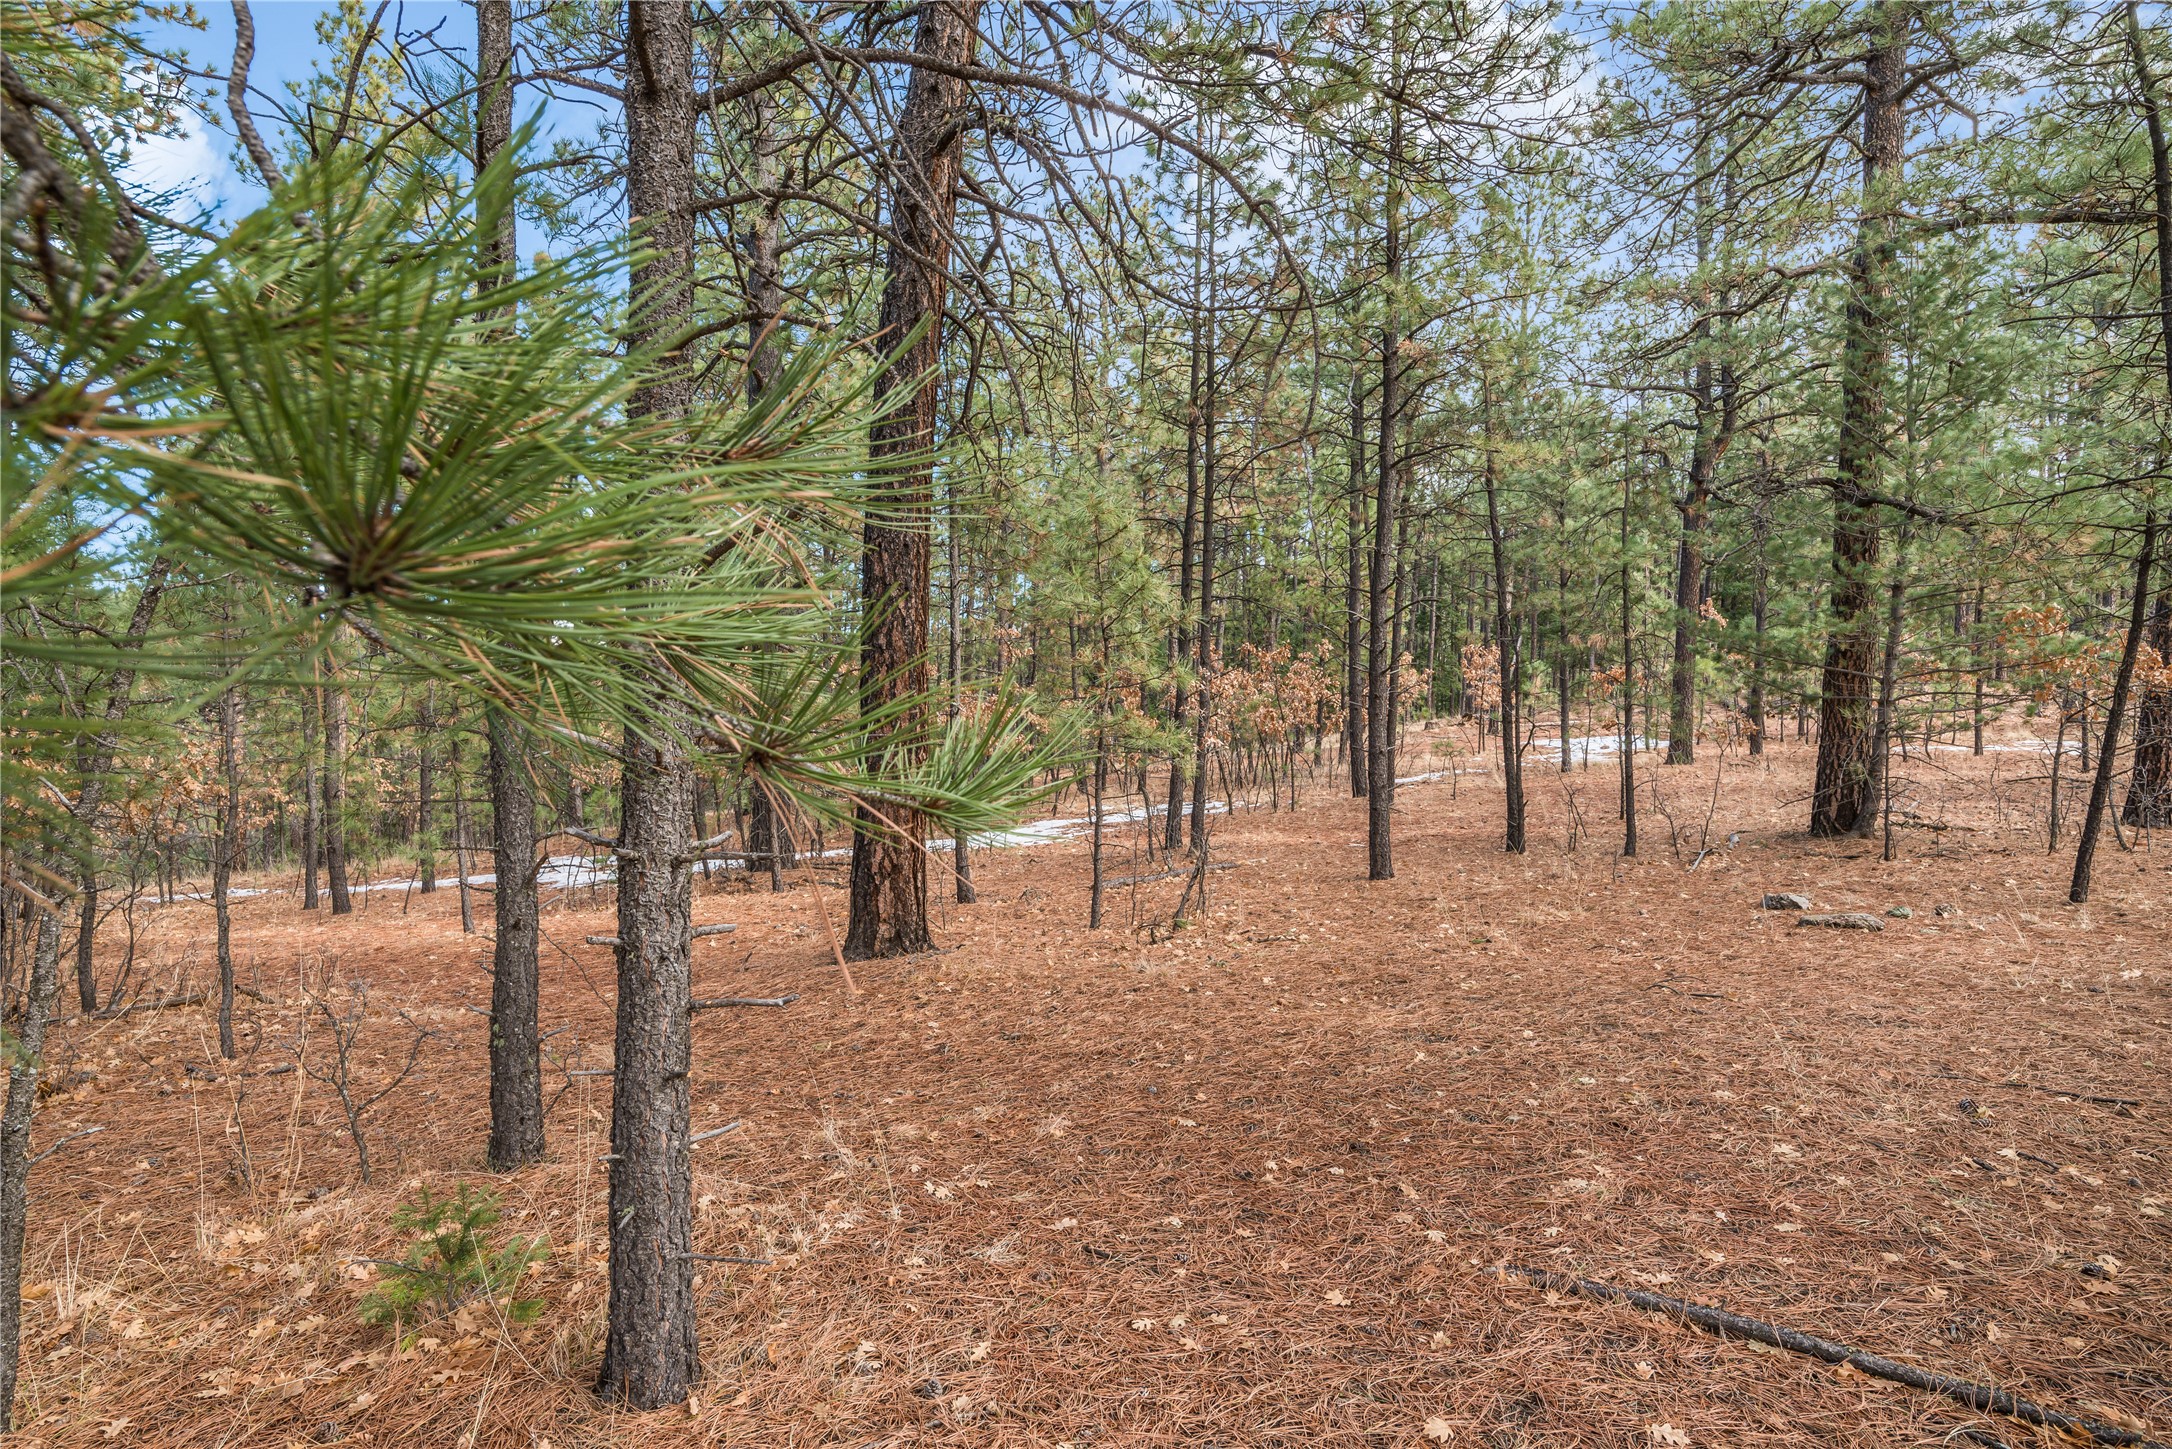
{"x": 1243, "y": 1187}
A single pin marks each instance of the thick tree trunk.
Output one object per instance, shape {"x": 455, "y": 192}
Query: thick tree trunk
{"x": 651, "y": 1356}
{"x": 2149, "y": 793}
{"x": 1843, "y": 792}
{"x": 516, "y": 1072}
{"x": 26, "y": 1060}
{"x": 889, "y": 885}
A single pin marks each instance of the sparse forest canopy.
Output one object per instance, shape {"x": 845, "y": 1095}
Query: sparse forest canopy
{"x": 575, "y": 457}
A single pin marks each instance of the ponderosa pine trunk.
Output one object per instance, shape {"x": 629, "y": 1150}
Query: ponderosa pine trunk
{"x": 516, "y": 1067}
{"x": 2149, "y": 792}
{"x": 2100, "y": 790}
{"x": 1628, "y": 686}
{"x": 1843, "y": 791}
{"x": 1204, "y": 642}
{"x": 651, "y": 1355}
{"x": 222, "y": 861}
{"x": 1504, "y": 639}
{"x": 765, "y": 360}
{"x": 1353, "y": 674}
{"x": 1379, "y": 622}
{"x": 1187, "y": 557}
{"x": 26, "y": 1062}
{"x": 889, "y": 882}
{"x": 334, "y": 699}
{"x": 425, "y": 792}
{"x": 1760, "y": 609}
{"x": 312, "y": 796}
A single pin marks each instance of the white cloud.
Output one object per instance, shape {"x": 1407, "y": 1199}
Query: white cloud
{"x": 192, "y": 166}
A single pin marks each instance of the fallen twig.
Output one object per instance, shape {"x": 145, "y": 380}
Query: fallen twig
{"x": 1981, "y": 1397}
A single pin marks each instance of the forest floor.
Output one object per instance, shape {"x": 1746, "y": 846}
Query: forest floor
{"x": 1053, "y": 1186}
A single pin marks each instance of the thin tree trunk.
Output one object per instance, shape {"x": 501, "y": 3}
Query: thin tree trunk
{"x": 222, "y": 863}
{"x": 889, "y": 884}
{"x": 1628, "y": 688}
{"x": 2100, "y": 792}
{"x": 1379, "y": 625}
{"x": 334, "y": 696}
{"x": 312, "y": 796}
{"x": 1354, "y": 733}
{"x": 1760, "y": 607}
{"x": 1504, "y": 638}
{"x": 425, "y": 787}
{"x": 1881, "y": 744}
{"x": 1101, "y": 783}
{"x": 1209, "y": 461}
{"x": 461, "y": 858}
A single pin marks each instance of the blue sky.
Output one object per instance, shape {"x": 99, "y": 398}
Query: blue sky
{"x": 200, "y": 162}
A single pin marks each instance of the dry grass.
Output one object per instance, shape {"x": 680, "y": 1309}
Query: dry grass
{"x": 1056, "y": 1186}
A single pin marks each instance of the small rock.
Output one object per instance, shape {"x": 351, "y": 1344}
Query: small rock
{"x": 1788, "y": 902}
{"x": 1902, "y": 913}
{"x": 1945, "y": 908}
{"x": 1844, "y": 921}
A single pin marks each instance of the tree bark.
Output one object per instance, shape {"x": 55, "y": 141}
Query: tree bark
{"x": 2149, "y": 793}
{"x": 651, "y": 1356}
{"x": 1504, "y": 638}
{"x": 26, "y": 1061}
{"x": 1628, "y": 687}
{"x": 334, "y": 698}
{"x": 516, "y": 1072}
{"x": 222, "y": 864}
{"x": 1842, "y": 791}
{"x": 1354, "y": 733}
{"x": 889, "y": 882}
{"x": 425, "y": 786}
{"x": 2100, "y": 791}
{"x": 312, "y": 796}
{"x": 1379, "y": 623}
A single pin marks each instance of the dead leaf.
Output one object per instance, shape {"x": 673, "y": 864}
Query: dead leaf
{"x": 1666, "y": 1434}
{"x": 1439, "y": 1430}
